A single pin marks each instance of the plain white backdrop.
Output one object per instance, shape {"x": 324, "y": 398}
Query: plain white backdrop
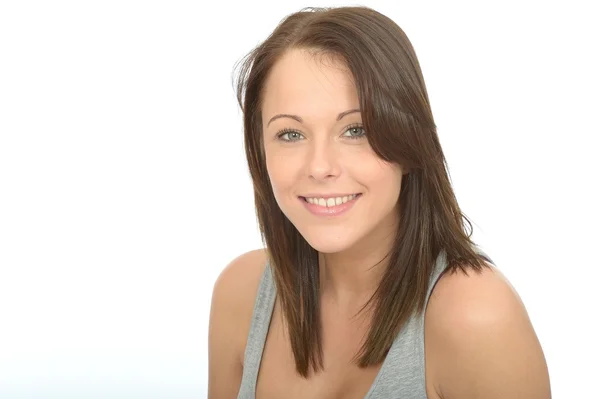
{"x": 124, "y": 189}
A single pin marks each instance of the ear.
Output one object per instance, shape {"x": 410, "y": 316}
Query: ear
{"x": 406, "y": 170}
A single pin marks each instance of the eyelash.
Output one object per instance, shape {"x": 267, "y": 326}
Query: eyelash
{"x": 354, "y": 126}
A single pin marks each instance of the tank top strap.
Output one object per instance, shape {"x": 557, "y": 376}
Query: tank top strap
{"x": 403, "y": 369}
{"x": 441, "y": 264}
{"x": 257, "y": 336}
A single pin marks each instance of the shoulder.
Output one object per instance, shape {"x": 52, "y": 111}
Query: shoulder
{"x": 481, "y": 340}
{"x": 240, "y": 278}
{"x": 235, "y": 289}
{"x": 231, "y": 308}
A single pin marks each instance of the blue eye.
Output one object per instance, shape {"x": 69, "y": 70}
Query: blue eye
{"x": 289, "y": 135}
{"x": 356, "y": 132}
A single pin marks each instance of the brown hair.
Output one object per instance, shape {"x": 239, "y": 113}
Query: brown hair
{"x": 397, "y": 115}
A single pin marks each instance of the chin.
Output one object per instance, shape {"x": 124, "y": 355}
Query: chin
{"x": 328, "y": 243}
{"x": 328, "y": 247}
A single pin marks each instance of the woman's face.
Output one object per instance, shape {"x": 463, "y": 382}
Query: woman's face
{"x": 325, "y": 176}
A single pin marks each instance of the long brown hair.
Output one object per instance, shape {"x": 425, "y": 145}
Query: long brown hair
{"x": 397, "y": 115}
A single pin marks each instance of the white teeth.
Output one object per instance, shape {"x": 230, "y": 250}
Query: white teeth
{"x": 331, "y": 201}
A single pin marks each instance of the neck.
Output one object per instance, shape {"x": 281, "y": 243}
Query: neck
{"x": 349, "y": 278}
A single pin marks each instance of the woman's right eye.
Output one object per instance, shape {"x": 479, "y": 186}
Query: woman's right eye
{"x": 289, "y": 135}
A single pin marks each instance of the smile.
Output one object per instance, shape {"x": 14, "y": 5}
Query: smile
{"x": 331, "y": 206}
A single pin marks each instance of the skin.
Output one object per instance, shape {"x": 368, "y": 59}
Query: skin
{"x": 322, "y": 156}
{"x": 479, "y": 341}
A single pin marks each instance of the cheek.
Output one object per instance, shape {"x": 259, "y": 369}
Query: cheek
{"x": 281, "y": 173}
{"x": 379, "y": 176}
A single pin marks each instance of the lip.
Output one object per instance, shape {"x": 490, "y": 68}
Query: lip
{"x": 335, "y": 210}
{"x": 325, "y": 196}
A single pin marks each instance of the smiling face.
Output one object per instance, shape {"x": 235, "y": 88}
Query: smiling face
{"x": 326, "y": 178}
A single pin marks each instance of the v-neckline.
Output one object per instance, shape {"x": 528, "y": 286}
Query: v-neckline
{"x": 385, "y": 363}
{"x": 389, "y": 357}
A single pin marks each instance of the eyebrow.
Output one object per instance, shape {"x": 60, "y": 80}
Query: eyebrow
{"x": 299, "y": 119}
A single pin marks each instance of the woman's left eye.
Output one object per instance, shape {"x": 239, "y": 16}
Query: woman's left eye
{"x": 356, "y": 132}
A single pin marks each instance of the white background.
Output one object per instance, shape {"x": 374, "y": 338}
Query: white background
{"x": 124, "y": 189}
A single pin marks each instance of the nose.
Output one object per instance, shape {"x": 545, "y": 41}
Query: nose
{"x": 323, "y": 161}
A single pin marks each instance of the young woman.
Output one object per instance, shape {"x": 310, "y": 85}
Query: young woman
{"x": 369, "y": 285}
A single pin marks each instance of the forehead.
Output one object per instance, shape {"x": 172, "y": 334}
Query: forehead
{"x": 309, "y": 86}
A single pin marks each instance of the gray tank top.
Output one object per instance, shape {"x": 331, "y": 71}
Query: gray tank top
{"x": 402, "y": 374}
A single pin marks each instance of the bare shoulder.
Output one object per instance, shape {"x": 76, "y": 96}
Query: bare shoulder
{"x": 232, "y": 303}
{"x": 481, "y": 341}
{"x": 239, "y": 280}
{"x": 235, "y": 290}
